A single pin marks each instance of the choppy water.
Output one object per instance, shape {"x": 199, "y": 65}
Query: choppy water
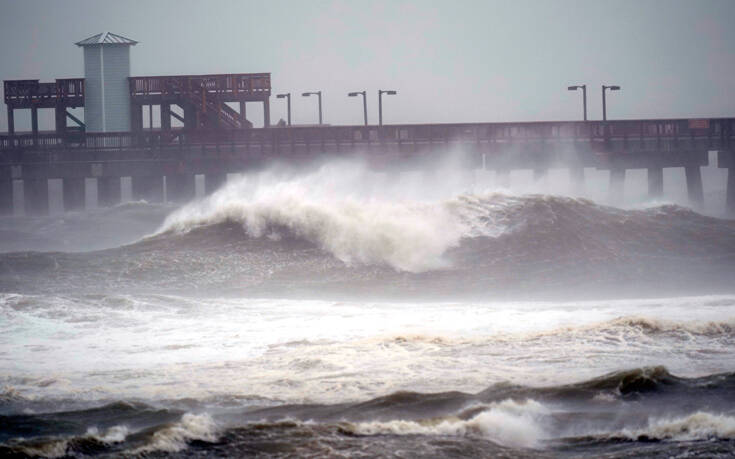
{"x": 338, "y": 313}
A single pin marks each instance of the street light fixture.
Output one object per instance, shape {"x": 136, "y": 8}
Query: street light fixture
{"x": 316, "y": 93}
{"x": 583, "y": 87}
{"x": 364, "y": 102}
{"x": 380, "y": 103}
{"x": 287, "y": 96}
{"x": 604, "y": 108}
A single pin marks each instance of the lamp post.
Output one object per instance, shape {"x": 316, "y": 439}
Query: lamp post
{"x": 604, "y": 108}
{"x": 380, "y": 103}
{"x": 364, "y": 102}
{"x": 584, "y": 97}
{"x": 316, "y": 93}
{"x": 287, "y": 96}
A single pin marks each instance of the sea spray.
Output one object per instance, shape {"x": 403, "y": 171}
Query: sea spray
{"x": 330, "y": 209}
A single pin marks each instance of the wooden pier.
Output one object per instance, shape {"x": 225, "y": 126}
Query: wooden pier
{"x": 213, "y": 150}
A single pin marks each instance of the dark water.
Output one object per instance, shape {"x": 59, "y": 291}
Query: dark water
{"x": 533, "y": 246}
{"x": 608, "y": 416}
{"x": 309, "y": 318}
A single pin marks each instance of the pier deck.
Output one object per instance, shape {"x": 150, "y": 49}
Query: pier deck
{"x": 149, "y": 155}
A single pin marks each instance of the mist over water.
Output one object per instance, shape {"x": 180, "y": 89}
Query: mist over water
{"x": 345, "y": 310}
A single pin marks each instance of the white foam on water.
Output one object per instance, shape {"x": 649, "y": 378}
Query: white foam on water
{"x": 697, "y": 426}
{"x": 114, "y": 434}
{"x": 346, "y": 210}
{"x": 174, "y": 437}
{"x": 168, "y": 347}
{"x": 51, "y": 449}
{"x": 508, "y": 423}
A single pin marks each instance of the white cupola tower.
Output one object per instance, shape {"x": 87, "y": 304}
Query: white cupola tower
{"x": 106, "y": 90}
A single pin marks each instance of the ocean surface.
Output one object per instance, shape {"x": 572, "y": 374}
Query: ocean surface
{"x": 340, "y": 312}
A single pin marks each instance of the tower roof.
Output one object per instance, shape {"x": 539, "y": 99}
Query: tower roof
{"x": 106, "y": 38}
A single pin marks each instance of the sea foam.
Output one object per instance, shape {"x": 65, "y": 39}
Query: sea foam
{"x": 508, "y": 423}
{"x": 337, "y": 209}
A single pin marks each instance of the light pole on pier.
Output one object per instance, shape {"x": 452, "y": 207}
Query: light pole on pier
{"x": 364, "y": 102}
{"x": 287, "y": 96}
{"x": 380, "y": 103}
{"x": 316, "y": 93}
{"x": 604, "y": 107}
{"x": 583, "y": 87}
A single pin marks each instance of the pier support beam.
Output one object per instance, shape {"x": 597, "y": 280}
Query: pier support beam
{"x": 34, "y": 120}
{"x": 190, "y": 117}
{"x": 60, "y": 119}
{"x": 213, "y": 181}
{"x": 11, "y": 120}
{"x": 165, "y": 117}
{"x": 35, "y": 196}
{"x": 6, "y": 195}
{"x": 109, "y": 192}
{"x": 148, "y": 188}
{"x": 655, "y": 182}
{"x": 74, "y": 194}
{"x": 694, "y": 185}
{"x": 731, "y": 190}
{"x": 243, "y": 115}
{"x": 136, "y": 117}
{"x": 617, "y": 183}
{"x": 266, "y": 113}
{"x": 180, "y": 188}
{"x": 539, "y": 174}
{"x": 34, "y": 124}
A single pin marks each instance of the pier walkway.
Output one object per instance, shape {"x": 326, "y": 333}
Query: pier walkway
{"x": 148, "y": 155}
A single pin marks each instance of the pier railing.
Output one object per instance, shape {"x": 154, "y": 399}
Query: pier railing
{"x": 185, "y": 85}
{"x": 626, "y": 136}
{"x": 30, "y": 93}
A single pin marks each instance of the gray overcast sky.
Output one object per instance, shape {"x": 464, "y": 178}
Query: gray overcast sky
{"x": 451, "y": 61}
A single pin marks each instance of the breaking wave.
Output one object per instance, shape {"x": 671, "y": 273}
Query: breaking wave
{"x": 341, "y": 231}
{"x": 658, "y": 326}
{"x": 697, "y": 426}
{"x": 636, "y": 406}
{"x": 332, "y": 209}
{"x": 410, "y": 237}
{"x": 507, "y": 423}
{"x": 175, "y": 437}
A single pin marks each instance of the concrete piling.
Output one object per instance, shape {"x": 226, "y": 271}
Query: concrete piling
{"x": 731, "y": 190}
{"x": 617, "y": 184}
{"x": 6, "y": 196}
{"x": 655, "y": 182}
{"x": 74, "y": 194}
{"x": 109, "y": 191}
{"x": 694, "y": 185}
{"x": 35, "y": 196}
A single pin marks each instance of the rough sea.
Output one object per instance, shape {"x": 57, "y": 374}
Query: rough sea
{"x": 340, "y": 312}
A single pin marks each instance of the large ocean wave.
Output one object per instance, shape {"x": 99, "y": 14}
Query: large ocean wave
{"x": 338, "y": 210}
{"x": 292, "y": 238}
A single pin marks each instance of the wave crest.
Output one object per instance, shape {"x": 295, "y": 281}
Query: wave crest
{"x": 175, "y": 437}
{"x": 406, "y": 235}
{"x": 697, "y": 426}
{"x": 507, "y": 423}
